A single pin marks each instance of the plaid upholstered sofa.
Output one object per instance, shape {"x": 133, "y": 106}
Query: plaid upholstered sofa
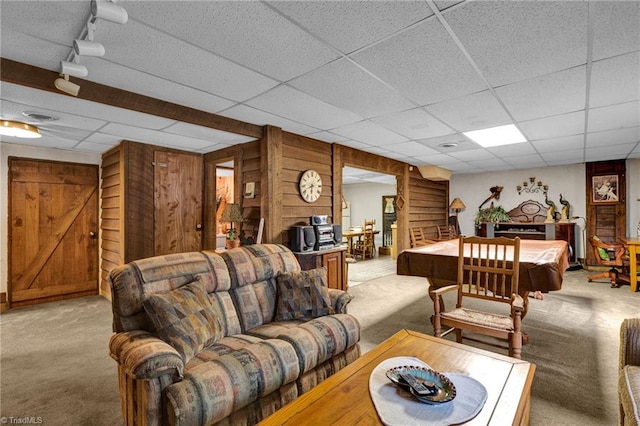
{"x": 203, "y": 338}
{"x": 629, "y": 372}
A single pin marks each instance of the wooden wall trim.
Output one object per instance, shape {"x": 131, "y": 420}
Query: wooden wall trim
{"x": 42, "y": 79}
{"x": 368, "y": 161}
{"x": 336, "y": 189}
{"x": 271, "y": 184}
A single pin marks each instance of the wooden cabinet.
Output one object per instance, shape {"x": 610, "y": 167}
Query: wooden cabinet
{"x": 532, "y": 231}
{"x": 151, "y": 203}
{"x": 335, "y": 260}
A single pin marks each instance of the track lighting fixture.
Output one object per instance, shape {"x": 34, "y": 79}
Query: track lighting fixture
{"x": 84, "y": 45}
{"x": 73, "y": 69}
{"x": 18, "y": 129}
{"x": 108, "y": 11}
{"x": 88, "y": 48}
{"x": 63, "y": 84}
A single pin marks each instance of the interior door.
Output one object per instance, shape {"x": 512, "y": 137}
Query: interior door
{"x": 53, "y": 245}
{"x": 177, "y": 202}
{"x": 606, "y": 202}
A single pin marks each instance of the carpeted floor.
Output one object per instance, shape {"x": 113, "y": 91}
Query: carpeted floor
{"x": 54, "y": 362}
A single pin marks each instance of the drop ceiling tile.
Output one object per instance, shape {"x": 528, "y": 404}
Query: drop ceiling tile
{"x": 252, "y": 115}
{"x": 546, "y": 95}
{"x": 356, "y": 144}
{"x": 462, "y": 143}
{"x": 411, "y": 149}
{"x": 445, "y": 4}
{"x": 574, "y": 155}
{"x": 422, "y": 63}
{"x": 577, "y": 160}
{"x": 472, "y": 112}
{"x": 611, "y": 137}
{"x": 327, "y": 137}
{"x": 345, "y": 85}
{"x": 550, "y": 127}
{"x": 465, "y": 168}
{"x": 610, "y": 152}
{"x": 211, "y": 148}
{"x": 490, "y": 164}
{"x": 615, "y": 80}
{"x": 574, "y": 142}
{"x": 615, "y": 29}
{"x": 103, "y": 138}
{"x": 45, "y": 141}
{"x": 439, "y": 159}
{"x": 43, "y": 53}
{"x": 370, "y": 133}
{"x": 92, "y": 147}
{"x": 414, "y": 124}
{"x": 246, "y": 32}
{"x": 297, "y": 106}
{"x": 188, "y": 65}
{"x": 15, "y": 110}
{"x": 154, "y": 137}
{"x": 473, "y": 155}
{"x": 56, "y": 21}
{"x": 367, "y": 21}
{"x": 207, "y": 134}
{"x": 516, "y": 149}
{"x": 65, "y": 103}
{"x": 526, "y": 161}
{"x": 516, "y": 40}
{"x": 614, "y": 117}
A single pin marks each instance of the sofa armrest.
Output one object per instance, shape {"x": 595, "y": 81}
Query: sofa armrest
{"x": 142, "y": 355}
{"x": 630, "y": 342}
{"x": 339, "y": 300}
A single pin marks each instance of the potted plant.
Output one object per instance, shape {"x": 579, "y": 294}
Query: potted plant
{"x": 493, "y": 214}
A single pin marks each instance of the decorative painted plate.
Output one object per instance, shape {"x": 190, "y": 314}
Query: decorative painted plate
{"x": 440, "y": 388}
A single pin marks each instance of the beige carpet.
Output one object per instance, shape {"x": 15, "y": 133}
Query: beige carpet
{"x": 54, "y": 362}
{"x": 574, "y": 340}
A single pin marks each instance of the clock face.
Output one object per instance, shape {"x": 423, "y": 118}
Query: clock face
{"x": 310, "y": 186}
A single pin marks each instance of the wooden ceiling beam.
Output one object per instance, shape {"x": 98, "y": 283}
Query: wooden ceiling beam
{"x": 42, "y": 79}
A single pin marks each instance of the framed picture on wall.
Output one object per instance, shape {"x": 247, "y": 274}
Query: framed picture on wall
{"x": 605, "y": 189}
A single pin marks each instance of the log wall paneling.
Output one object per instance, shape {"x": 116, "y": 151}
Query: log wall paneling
{"x": 270, "y": 196}
{"x": 112, "y": 206}
{"x": 428, "y": 203}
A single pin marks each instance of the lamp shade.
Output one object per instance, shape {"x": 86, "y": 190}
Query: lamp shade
{"x": 457, "y": 204}
{"x": 232, "y": 213}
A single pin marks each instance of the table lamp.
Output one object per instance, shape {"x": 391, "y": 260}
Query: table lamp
{"x": 457, "y": 205}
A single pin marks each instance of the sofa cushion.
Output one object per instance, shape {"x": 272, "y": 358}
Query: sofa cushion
{"x": 232, "y": 381}
{"x": 302, "y": 295}
{"x": 315, "y": 341}
{"x": 185, "y": 318}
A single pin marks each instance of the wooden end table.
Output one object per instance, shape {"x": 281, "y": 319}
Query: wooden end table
{"x": 344, "y": 399}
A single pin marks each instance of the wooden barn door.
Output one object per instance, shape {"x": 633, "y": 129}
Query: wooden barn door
{"x": 53, "y": 244}
{"x": 177, "y": 202}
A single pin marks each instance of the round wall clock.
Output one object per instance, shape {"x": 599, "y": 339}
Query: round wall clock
{"x": 310, "y": 186}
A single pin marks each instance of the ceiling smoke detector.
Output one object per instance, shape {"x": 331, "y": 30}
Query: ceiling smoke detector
{"x": 40, "y": 116}
{"x": 448, "y": 145}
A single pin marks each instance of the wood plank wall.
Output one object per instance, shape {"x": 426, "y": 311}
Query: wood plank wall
{"x": 300, "y": 153}
{"x": 428, "y": 203}
{"x": 111, "y": 215}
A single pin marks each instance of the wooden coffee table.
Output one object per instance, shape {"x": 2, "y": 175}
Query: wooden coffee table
{"x": 344, "y": 397}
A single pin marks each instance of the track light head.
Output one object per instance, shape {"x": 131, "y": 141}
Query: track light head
{"x": 88, "y": 48}
{"x": 63, "y": 84}
{"x": 73, "y": 69}
{"x": 108, "y": 11}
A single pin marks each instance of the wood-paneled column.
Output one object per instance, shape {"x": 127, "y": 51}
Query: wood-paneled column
{"x": 271, "y": 184}
{"x": 337, "y": 165}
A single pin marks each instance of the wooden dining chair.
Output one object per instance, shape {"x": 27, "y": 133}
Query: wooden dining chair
{"x": 488, "y": 270}
{"x": 613, "y": 255}
{"x": 447, "y": 232}
{"x": 417, "y": 237}
{"x": 365, "y": 246}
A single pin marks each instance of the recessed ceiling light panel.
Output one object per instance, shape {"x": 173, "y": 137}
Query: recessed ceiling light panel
{"x": 496, "y": 136}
